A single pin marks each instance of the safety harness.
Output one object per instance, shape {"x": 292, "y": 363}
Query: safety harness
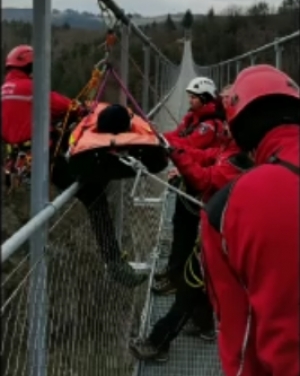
{"x": 275, "y": 160}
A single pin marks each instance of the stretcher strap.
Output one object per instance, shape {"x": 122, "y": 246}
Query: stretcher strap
{"x": 132, "y": 100}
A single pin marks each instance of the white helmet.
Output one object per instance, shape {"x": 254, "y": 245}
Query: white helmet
{"x": 202, "y": 85}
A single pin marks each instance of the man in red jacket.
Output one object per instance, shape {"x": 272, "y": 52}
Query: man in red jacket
{"x": 250, "y": 232}
{"x": 201, "y": 128}
{"x": 17, "y": 96}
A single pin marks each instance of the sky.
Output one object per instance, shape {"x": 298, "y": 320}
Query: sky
{"x": 144, "y": 7}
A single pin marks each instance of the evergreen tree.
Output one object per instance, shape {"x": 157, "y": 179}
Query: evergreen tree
{"x": 187, "y": 20}
{"x": 170, "y": 25}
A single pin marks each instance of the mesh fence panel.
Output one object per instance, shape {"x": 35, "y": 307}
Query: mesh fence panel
{"x": 90, "y": 316}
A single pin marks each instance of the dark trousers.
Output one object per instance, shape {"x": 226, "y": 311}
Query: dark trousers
{"x": 93, "y": 197}
{"x": 190, "y": 302}
{"x": 185, "y": 234}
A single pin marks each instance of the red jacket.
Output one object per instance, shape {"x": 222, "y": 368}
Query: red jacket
{"x": 199, "y": 129}
{"x": 208, "y": 170}
{"x": 250, "y": 237}
{"x": 16, "y": 100}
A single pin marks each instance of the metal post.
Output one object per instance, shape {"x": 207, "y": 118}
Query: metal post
{"x": 146, "y": 79}
{"x": 168, "y": 77}
{"x": 278, "y": 54}
{"x": 40, "y": 186}
{"x": 221, "y": 76}
{"x": 228, "y": 73}
{"x": 252, "y": 59}
{"x": 238, "y": 67}
{"x": 212, "y": 73}
{"x": 162, "y": 78}
{"x": 165, "y": 78}
{"x": 123, "y": 100}
{"x": 156, "y": 85}
{"x": 218, "y": 76}
{"x": 124, "y": 61}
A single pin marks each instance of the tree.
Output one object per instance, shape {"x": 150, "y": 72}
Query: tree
{"x": 289, "y": 5}
{"x": 66, "y": 26}
{"x": 187, "y": 20}
{"x": 170, "y": 25}
{"x": 233, "y": 11}
{"x": 211, "y": 13}
{"x": 259, "y": 9}
{"x": 154, "y": 25}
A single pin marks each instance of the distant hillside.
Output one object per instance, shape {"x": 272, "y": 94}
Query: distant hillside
{"x": 73, "y": 18}
{"x": 83, "y": 20}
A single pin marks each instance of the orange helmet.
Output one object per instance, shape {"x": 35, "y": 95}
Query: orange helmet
{"x": 257, "y": 82}
{"x": 19, "y": 56}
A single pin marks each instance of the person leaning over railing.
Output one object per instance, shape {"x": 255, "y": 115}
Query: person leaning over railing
{"x": 250, "y": 231}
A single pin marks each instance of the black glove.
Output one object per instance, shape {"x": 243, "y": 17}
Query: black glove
{"x": 165, "y": 144}
{"x": 175, "y": 181}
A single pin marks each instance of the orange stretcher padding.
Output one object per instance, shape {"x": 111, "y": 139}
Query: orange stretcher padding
{"x": 85, "y": 137}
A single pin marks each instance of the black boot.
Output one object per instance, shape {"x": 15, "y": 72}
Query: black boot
{"x": 207, "y": 334}
{"x": 145, "y": 350}
{"x": 164, "y": 288}
{"x": 124, "y": 274}
{"x": 161, "y": 275}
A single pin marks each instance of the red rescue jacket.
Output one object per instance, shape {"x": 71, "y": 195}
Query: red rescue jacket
{"x": 16, "y": 100}
{"x": 250, "y": 257}
{"x": 199, "y": 129}
{"x": 208, "y": 170}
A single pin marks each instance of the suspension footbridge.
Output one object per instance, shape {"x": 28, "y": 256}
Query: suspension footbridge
{"x": 62, "y": 314}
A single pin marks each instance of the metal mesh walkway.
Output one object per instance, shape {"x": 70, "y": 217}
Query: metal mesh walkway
{"x": 189, "y": 356}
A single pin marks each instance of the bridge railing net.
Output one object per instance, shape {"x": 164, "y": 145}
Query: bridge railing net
{"x": 90, "y": 317}
{"x": 289, "y": 63}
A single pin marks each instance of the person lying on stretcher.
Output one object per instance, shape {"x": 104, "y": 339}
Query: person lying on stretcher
{"x": 106, "y": 119}
{"x": 92, "y": 164}
{"x": 114, "y": 129}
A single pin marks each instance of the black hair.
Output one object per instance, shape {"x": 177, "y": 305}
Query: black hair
{"x": 113, "y": 119}
{"x": 27, "y": 69}
{"x": 261, "y": 116}
{"x": 206, "y": 98}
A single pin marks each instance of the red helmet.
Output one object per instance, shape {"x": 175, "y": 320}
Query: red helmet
{"x": 256, "y": 82}
{"x": 19, "y": 56}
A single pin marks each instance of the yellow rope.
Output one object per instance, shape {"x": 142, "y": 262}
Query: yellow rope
{"x": 92, "y": 84}
{"x": 188, "y": 269}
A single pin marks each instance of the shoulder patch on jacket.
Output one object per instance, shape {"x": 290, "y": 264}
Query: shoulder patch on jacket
{"x": 216, "y": 205}
{"x": 205, "y": 127}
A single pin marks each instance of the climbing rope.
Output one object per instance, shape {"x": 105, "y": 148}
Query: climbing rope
{"x": 140, "y": 170}
{"x": 112, "y": 25}
{"x": 87, "y": 96}
{"x": 190, "y": 276}
{"x": 152, "y": 88}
